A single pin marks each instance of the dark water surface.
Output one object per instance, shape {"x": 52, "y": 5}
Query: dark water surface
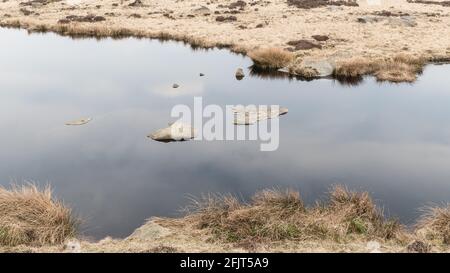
{"x": 392, "y": 140}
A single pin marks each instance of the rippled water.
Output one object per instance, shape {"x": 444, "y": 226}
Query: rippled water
{"x": 390, "y": 139}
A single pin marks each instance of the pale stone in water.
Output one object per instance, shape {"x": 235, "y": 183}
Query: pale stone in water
{"x": 79, "y": 122}
{"x": 176, "y": 131}
{"x": 251, "y": 115}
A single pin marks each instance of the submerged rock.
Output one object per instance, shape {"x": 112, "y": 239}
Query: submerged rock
{"x": 251, "y": 114}
{"x": 240, "y": 74}
{"x": 176, "y": 131}
{"x": 78, "y": 122}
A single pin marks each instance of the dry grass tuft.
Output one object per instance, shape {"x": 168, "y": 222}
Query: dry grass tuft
{"x": 359, "y": 212}
{"x": 275, "y": 216}
{"x": 435, "y": 223}
{"x": 355, "y": 67}
{"x": 271, "y": 58}
{"x": 30, "y": 216}
{"x": 400, "y": 68}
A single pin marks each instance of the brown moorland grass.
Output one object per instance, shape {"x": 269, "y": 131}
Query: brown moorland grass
{"x": 270, "y": 58}
{"x": 281, "y": 215}
{"x": 30, "y": 216}
{"x": 400, "y": 68}
{"x": 435, "y": 224}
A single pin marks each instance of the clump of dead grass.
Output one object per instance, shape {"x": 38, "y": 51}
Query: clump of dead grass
{"x": 30, "y": 216}
{"x": 271, "y": 58}
{"x": 435, "y": 224}
{"x": 273, "y": 215}
{"x": 400, "y": 68}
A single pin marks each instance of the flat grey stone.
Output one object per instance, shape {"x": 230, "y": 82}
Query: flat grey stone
{"x": 176, "y": 131}
{"x": 323, "y": 67}
{"x": 252, "y": 114}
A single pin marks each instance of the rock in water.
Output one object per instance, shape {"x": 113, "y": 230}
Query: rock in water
{"x": 323, "y": 68}
{"x": 251, "y": 114}
{"x": 175, "y": 85}
{"x": 240, "y": 74}
{"x": 201, "y": 74}
{"x": 78, "y": 122}
{"x": 176, "y": 131}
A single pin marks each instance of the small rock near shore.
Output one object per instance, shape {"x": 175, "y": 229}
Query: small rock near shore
{"x": 137, "y": 3}
{"x": 240, "y": 74}
{"x": 373, "y": 247}
{"x": 418, "y": 247}
{"x": 323, "y": 68}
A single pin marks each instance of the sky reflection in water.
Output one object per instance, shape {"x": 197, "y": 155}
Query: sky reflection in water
{"x": 392, "y": 140}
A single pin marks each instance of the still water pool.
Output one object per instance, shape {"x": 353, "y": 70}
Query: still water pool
{"x": 392, "y": 140}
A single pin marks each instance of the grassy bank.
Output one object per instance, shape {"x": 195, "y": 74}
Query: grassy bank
{"x": 272, "y": 221}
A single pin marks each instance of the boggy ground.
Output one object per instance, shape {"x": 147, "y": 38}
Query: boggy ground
{"x": 390, "y": 39}
{"x": 272, "y": 221}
